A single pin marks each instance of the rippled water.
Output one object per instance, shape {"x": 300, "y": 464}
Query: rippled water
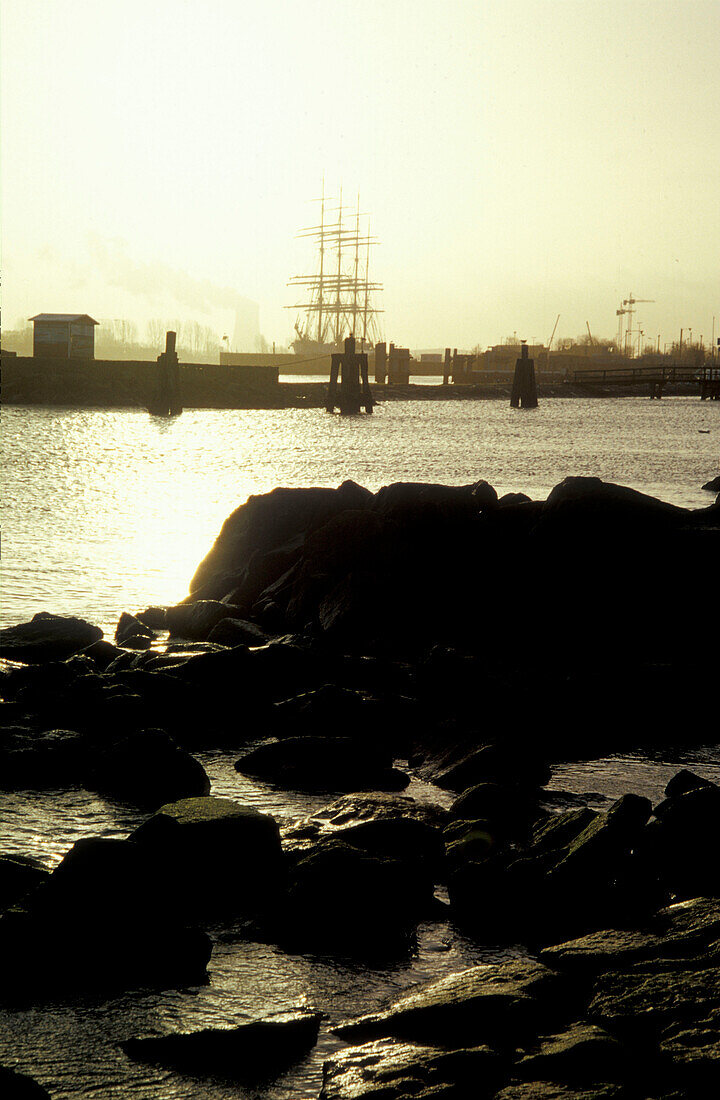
{"x": 111, "y": 510}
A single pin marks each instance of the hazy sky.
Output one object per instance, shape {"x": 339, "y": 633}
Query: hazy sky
{"x": 520, "y": 158}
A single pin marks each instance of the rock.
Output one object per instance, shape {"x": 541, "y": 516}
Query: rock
{"x": 154, "y": 617}
{"x": 258, "y": 1049}
{"x": 147, "y": 768}
{"x": 679, "y": 842}
{"x": 47, "y": 637}
{"x": 130, "y": 627}
{"x": 470, "y": 841}
{"x": 38, "y": 759}
{"x": 688, "y": 928}
{"x": 17, "y": 1086}
{"x": 341, "y": 711}
{"x": 551, "y": 1090}
{"x": 102, "y": 653}
{"x": 493, "y": 763}
{"x": 232, "y": 632}
{"x": 195, "y": 621}
{"x": 269, "y": 521}
{"x": 713, "y": 486}
{"x": 485, "y": 1002}
{"x": 509, "y": 808}
{"x": 214, "y": 855}
{"x": 99, "y": 922}
{"x": 403, "y": 495}
{"x": 608, "y": 949}
{"x": 344, "y": 815}
{"x": 340, "y": 895}
{"x": 323, "y": 763}
{"x": 571, "y": 880}
{"x": 602, "y": 500}
{"x": 392, "y": 1070}
{"x": 694, "y": 1053}
{"x": 644, "y": 1000}
{"x": 555, "y": 832}
{"x": 684, "y": 781}
{"x": 18, "y": 876}
{"x": 137, "y": 641}
{"x": 582, "y": 1053}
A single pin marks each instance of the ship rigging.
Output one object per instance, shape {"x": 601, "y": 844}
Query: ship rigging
{"x": 339, "y": 295}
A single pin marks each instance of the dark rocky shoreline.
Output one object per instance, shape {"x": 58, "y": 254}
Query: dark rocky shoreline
{"x": 365, "y": 637}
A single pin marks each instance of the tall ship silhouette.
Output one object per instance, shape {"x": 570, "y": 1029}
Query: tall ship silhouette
{"x": 338, "y": 298}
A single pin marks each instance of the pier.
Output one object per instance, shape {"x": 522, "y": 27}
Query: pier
{"x": 656, "y": 378}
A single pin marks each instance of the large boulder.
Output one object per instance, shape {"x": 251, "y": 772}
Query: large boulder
{"x": 344, "y": 896}
{"x": 582, "y": 1053}
{"x": 388, "y": 1069}
{"x": 213, "y": 855}
{"x": 323, "y": 764}
{"x": 195, "y": 621}
{"x": 553, "y": 1090}
{"x": 491, "y": 763}
{"x": 375, "y": 810}
{"x": 257, "y": 1049}
{"x": 647, "y": 999}
{"x": 681, "y": 841}
{"x": 265, "y": 523}
{"x": 684, "y": 929}
{"x": 517, "y": 997}
{"x": 47, "y": 637}
{"x": 147, "y": 768}
{"x": 581, "y": 873}
{"x": 17, "y": 1086}
{"x": 99, "y": 922}
{"x": 32, "y": 758}
{"x": 19, "y": 875}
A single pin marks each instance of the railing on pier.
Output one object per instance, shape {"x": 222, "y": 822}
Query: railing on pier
{"x": 657, "y": 377}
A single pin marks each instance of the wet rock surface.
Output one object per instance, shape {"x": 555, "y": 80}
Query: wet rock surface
{"x": 390, "y": 1070}
{"x": 257, "y": 1050}
{"x": 325, "y": 647}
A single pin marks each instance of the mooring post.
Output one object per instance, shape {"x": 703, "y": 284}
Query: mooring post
{"x": 524, "y": 387}
{"x": 173, "y": 375}
{"x": 332, "y": 398}
{"x": 380, "y": 364}
{"x": 167, "y": 401}
{"x": 446, "y": 368}
{"x": 353, "y": 391}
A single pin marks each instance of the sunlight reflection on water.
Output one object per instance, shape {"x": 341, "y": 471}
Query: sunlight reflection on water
{"x": 110, "y": 510}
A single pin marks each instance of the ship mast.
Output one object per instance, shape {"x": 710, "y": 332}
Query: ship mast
{"x": 322, "y": 262}
{"x": 337, "y": 288}
{"x": 357, "y": 260}
{"x": 338, "y": 296}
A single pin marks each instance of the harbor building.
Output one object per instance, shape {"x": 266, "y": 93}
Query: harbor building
{"x": 63, "y": 336}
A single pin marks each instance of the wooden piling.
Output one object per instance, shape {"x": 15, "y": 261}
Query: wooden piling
{"x": 447, "y": 369}
{"x": 168, "y": 401}
{"x": 524, "y": 387}
{"x": 349, "y": 387}
{"x": 380, "y": 364}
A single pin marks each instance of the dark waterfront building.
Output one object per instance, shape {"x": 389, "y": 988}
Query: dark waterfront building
{"x": 64, "y": 336}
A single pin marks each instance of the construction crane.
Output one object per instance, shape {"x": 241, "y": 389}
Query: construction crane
{"x": 552, "y": 335}
{"x": 628, "y": 307}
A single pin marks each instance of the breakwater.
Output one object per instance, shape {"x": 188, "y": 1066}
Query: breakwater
{"x": 323, "y": 650}
{"x": 134, "y": 384}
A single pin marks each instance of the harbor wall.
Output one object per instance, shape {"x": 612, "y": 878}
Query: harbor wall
{"x": 113, "y": 383}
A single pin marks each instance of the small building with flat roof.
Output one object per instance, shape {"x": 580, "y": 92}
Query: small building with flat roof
{"x": 64, "y": 336}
